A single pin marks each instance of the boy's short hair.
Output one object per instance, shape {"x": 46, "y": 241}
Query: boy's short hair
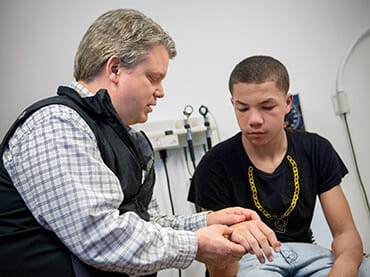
{"x": 260, "y": 69}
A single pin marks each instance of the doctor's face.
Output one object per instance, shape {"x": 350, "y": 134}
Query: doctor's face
{"x": 139, "y": 88}
{"x": 260, "y": 110}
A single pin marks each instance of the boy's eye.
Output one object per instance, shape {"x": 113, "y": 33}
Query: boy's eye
{"x": 268, "y": 107}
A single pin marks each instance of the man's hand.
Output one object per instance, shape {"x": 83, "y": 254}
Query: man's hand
{"x": 230, "y": 216}
{"x": 256, "y": 237}
{"x": 215, "y": 249}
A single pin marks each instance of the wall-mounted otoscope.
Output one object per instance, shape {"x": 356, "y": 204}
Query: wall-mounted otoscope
{"x": 188, "y": 110}
{"x": 203, "y": 110}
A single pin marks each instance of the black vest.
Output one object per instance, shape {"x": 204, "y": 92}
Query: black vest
{"x": 28, "y": 249}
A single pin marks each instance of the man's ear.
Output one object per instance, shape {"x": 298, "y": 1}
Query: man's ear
{"x": 113, "y": 67}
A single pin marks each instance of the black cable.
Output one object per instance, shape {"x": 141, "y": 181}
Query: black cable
{"x": 188, "y": 110}
{"x": 208, "y": 133}
{"x": 203, "y": 110}
{"x": 189, "y": 139}
{"x": 187, "y": 161}
{"x": 197, "y": 207}
{"x": 204, "y": 148}
{"x": 192, "y": 155}
{"x": 355, "y": 161}
{"x": 209, "y": 142}
{"x": 163, "y": 156}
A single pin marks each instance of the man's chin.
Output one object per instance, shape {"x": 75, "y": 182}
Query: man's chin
{"x": 143, "y": 119}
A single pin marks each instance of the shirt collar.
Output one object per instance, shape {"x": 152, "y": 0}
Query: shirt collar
{"x": 82, "y": 91}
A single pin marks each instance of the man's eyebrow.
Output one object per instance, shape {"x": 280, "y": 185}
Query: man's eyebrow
{"x": 156, "y": 74}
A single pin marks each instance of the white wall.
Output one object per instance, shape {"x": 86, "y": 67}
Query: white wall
{"x": 39, "y": 38}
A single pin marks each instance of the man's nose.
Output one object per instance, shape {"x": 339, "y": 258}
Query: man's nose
{"x": 159, "y": 92}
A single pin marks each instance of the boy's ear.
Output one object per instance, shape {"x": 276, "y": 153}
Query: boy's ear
{"x": 289, "y": 102}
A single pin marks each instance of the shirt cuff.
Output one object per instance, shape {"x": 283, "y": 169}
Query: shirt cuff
{"x": 187, "y": 249}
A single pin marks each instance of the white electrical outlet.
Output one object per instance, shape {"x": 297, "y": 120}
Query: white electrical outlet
{"x": 340, "y": 103}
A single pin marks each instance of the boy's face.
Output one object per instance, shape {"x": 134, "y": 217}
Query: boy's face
{"x": 260, "y": 110}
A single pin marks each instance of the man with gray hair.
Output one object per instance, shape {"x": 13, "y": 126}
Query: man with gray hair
{"x": 76, "y": 181}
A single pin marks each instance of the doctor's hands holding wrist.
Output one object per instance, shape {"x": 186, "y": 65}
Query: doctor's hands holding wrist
{"x": 247, "y": 230}
{"x": 230, "y": 216}
{"x": 214, "y": 247}
{"x": 257, "y": 238}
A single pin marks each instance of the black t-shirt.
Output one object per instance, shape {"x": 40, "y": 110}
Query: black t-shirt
{"x": 221, "y": 180}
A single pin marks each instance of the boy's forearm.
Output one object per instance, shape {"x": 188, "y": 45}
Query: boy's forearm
{"x": 348, "y": 251}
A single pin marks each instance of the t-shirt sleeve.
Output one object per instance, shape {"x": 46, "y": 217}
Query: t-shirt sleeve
{"x": 331, "y": 167}
{"x": 209, "y": 185}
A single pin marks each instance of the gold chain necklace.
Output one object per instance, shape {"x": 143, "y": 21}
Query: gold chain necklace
{"x": 278, "y": 221}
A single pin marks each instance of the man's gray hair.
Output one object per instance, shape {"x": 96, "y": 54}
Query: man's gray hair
{"x": 124, "y": 32}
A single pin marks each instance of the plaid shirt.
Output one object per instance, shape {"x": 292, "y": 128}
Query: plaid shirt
{"x": 55, "y": 164}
